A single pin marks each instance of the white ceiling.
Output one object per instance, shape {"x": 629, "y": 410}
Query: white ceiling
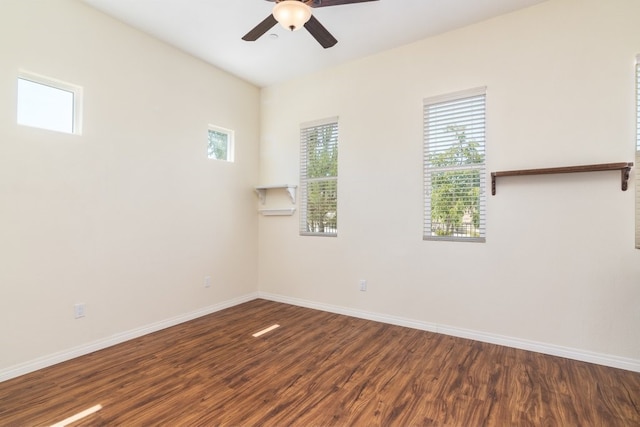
{"x": 212, "y": 30}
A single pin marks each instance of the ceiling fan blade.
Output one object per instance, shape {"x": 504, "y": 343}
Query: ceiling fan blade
{"x": 260, "y": 29}
{"x": 320, "y": 33}
{"x": 325, "y": 3}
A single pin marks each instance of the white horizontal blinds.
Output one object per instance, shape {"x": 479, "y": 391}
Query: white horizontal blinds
{"x": 319, "y": 178}
{"x": 637, "y": 163}
{"x": 454, "y": 166}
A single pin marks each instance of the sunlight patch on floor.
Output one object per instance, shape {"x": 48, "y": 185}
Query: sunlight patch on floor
{"x": 264, "y": 331}
{"x": 78, "y": 416}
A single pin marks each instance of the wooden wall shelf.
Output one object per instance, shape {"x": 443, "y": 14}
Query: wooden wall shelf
{"x": 623, "y": 167}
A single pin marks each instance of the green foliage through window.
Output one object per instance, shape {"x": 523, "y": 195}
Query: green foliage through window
{"x": 319, "y": 179}
{"x": 218, "y": 147}
{"x": 454, "y": 169}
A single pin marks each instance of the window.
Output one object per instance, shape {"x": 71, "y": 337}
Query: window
{"x": 48, "y": 104}
{"x": 637, "y": 163}
{"x": 454, "y": 166}
{"x": 319, "y": 178}
{"x": 220, "y": 144}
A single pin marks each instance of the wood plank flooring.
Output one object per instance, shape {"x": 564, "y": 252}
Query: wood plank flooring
{"x": 318, "y": 369}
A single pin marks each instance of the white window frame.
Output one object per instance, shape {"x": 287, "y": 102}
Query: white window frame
{"x": 637, "y": 163}
{"x": 230, "y": 143}
{"x": 329, "y": 227}
{"x": 75, "y": 90}
{"x": 471, "y": 105}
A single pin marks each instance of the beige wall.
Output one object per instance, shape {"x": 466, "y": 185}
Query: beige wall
{"x": 130, "y": 216}
{"x": 559, "y": 266}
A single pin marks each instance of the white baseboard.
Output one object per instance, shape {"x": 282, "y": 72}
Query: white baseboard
{"x": 52, "y": 359}
{"x": 554, "y": 350}
{"x": 539, "y": 347}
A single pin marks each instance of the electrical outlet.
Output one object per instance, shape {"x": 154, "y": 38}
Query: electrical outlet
{"x": 78, "y": 310}
{"x": 363, "y": 285}
{"x": 207, "y": 281}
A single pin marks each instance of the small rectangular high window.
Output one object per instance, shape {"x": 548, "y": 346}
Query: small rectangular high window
{"x": 48, "y": 104}
{"x": 220, "y": 145}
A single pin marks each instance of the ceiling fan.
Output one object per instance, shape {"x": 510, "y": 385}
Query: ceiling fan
{"x": 293, "y": 14}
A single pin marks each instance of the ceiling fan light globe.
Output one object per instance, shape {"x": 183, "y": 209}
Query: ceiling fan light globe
{"x": 291, "y": 14}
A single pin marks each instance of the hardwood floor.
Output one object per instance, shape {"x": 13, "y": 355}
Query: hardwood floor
{"x": 318, "y": 369}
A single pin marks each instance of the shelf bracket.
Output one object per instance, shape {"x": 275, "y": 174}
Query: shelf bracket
{"x": 262, "y": 195}
{"x": 624, "y": 172}
{"x": 493, "y": 183}
{"x": 292, "y": 191}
